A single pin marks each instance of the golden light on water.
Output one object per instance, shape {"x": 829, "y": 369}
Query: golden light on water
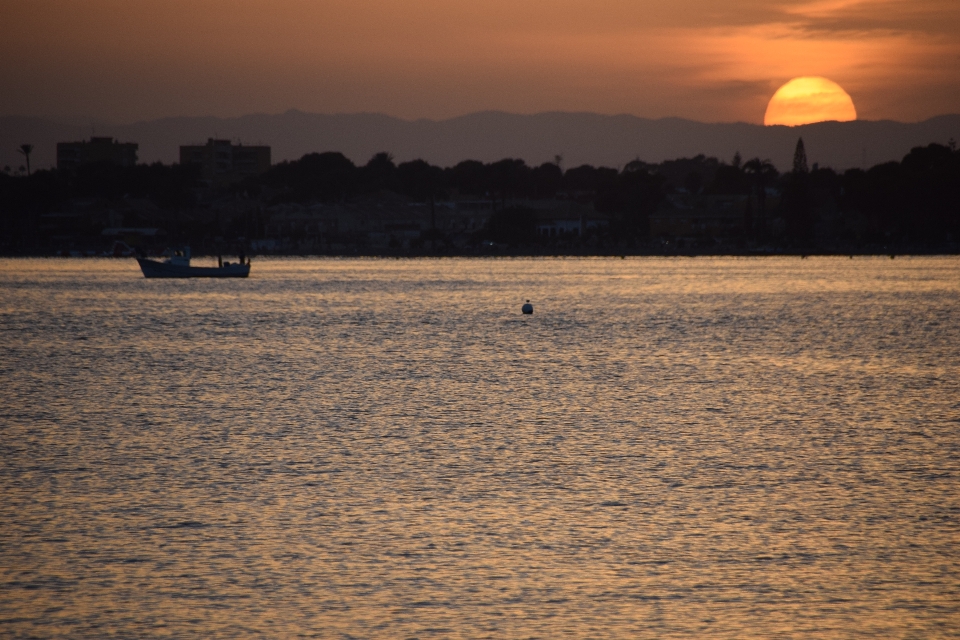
{"x": 383, "y": 448}
{"x": 809, "y": 99}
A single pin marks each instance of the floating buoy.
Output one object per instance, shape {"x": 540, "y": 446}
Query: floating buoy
{"x": 527, "y": 308}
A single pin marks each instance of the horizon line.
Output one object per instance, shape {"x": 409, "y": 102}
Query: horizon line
{"x": 71, "y": 121}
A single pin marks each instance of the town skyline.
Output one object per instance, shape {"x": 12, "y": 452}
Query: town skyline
{"x": 101, "y": 201}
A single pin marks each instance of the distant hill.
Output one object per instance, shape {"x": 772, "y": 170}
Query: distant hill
{"x": 581, "y": 138}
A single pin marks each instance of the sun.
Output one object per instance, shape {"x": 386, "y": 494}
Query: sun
{"x": 809, "y": 99}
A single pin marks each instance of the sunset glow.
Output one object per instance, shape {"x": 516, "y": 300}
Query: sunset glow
{"x": 707, "y": 60}
{"x": 807, "y": 100}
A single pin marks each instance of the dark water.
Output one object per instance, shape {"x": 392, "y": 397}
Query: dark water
{"x": 667, "y": 448}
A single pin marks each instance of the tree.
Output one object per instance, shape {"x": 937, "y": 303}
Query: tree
{"x": 729, "y": 179}
{"x": 26, "y": 150}
{"x": 763, "y": 173}
{"x": 800, "y": 158}
{"x": 638, "y": 192}
{"x": 507, "y": 176}
{"x": 420, "y": 180}
{"x": 329, "y": 176}
{"x": 546, "y": 180}
{"x": 380, "y": 173}
{"x": 797, "y": 206}
{"x": 470, "y": 177}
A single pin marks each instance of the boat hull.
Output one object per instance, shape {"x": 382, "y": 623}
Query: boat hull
{"x": 154, "y": 269}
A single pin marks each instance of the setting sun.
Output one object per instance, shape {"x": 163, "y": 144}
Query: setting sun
{"x": 809, "y": 99}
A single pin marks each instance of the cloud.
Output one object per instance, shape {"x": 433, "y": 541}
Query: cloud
{"x": 704, "y": 59}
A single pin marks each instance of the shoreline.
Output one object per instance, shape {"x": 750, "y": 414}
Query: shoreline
{"x": 892, "y": 253}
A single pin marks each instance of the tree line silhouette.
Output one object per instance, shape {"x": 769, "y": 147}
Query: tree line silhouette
{"x": 912, "y": 202}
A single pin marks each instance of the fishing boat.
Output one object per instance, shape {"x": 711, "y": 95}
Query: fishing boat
{"x": 177, "y": 265}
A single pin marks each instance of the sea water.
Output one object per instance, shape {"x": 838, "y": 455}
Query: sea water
{"x": 367, "y": 448}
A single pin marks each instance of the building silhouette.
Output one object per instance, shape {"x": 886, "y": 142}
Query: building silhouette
{"x": 222, "y": 162}
{"x": 71, "y": 155}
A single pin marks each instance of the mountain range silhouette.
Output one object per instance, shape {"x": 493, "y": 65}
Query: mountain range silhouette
{"x": 579, "y": 138}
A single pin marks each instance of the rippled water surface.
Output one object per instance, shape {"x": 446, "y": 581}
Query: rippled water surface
{"x": 667, "y": 448}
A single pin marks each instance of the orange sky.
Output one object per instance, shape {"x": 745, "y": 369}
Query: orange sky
{"x": 709, "y": 60}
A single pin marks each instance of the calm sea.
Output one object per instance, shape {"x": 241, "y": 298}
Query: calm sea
{"x": 667, "y": 448}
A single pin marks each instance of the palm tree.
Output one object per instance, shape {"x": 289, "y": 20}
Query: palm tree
{"x": 763, "y": 173}
{"x": 26, "y": 150}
